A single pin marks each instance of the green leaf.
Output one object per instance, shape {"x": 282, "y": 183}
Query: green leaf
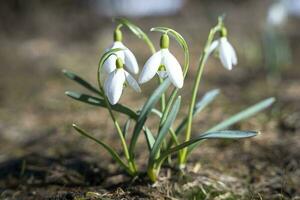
{"x": 200, "y": 105}
{"x": 249, "y": 112}
{"x": 164, "y": 130}
{"x": 149, "y": 138}
{"x": 112, "y": 152}
{"x": 156, "y": 112}
{"x": 148, "y": 106}
{"x": 137, "y": 31}
{"x": 209, "y": 135}
{"x": 81, "y": 81}
{"x": 101, "y": 102}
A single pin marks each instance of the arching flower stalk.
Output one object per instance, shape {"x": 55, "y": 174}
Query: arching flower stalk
{"x": 164, "y": 64}
{"x": 114, "y": 84}
{"x": 125, "y": 54}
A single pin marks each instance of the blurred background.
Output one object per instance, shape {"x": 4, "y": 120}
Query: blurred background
{"x": 40, "y": 38}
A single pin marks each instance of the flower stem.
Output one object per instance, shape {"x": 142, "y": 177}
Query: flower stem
{"x": 203, "y": 58}
{"x": 131, "y": 164}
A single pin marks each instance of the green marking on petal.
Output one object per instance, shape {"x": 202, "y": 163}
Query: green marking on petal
{"x": 119, "y": 63}
{"x": 162, "y": 68}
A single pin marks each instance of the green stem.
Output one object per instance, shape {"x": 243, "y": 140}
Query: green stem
{"x": 163, "y": 97}
{"x": 131, "y": 163}
{"x": 203, "y": 59}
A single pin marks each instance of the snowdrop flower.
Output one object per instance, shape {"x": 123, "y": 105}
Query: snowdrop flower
{"x": 113, "y": 86}
{"x": 226, "y": 52}
{"x": 281, "y": 10}
{"x": 126, "y": 55}
{"x": 277, "y": 14}
{"x": 164, "y": 64}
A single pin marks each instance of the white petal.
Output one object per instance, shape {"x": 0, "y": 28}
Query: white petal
{"x": 130, "y": 62}
{"x": 110, "y": 64}
{"x": 173, "y": 68}
{"x": 162, "y": 74}
{"x": 114, "y": 85}
{"x": 225, "y": 53}
{"x": 213, "y": 46}
{"x": 233, "y": 55}
{"x": 150, "y": 68}
{"x": 120, "y": 53}
{"x": 132, "y": 82}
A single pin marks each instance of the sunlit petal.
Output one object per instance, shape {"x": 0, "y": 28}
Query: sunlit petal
{"x": 110, "y": 64}
{"x": 120, "y": 53}
{"x": 173, "y": 68}
{"x": 213, "y": 46}
{"x": 130, "y": 62}
{"x": 225, "y": 53}
{"x": 132, "y": 82}
{"x": 114, "y": 85}
{"x": 233, "y": 55}
{"x": 150, "y": 68}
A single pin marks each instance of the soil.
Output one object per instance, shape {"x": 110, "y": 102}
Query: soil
{"x": 43, "y": 158}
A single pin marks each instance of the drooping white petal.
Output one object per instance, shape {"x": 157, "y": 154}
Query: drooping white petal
{"x": 132, "y": 82}
{"x": 225, "y": 53}
{"x": 173, "y": 68}
{"x": 120, "y": 54}
{"x": 130, "y": 62}
{"x": 213, "y": 46}
{"x": 277, "y": 14}
{"x": 162, "y": 74}
{"x": 110, "y": 64}
{"x": 233, "y": 55}
{"x": 150, "y": 68}
{"x": 114, "y": 85}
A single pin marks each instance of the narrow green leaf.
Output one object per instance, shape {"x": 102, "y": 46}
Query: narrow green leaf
{"x": 149, "y": 138}
{"x": 164, "y": 130}
{"x": 156, "y": 112}
{"x": 228, "y": 134}
{"x": 148, "y": 106}
{"x": 137, "y": 31}
{"x": 101, "y": 102}
{"x": 112, "y": 152}
{"x": 249, "y": 112}
{"x": 200, "y": 105}
{"x": 81, "y": 81}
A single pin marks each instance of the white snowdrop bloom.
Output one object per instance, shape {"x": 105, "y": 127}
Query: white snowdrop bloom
{"x": 277, "y": 14}
{"x": 164, "y": 64}
{"x": 126, "y": 55}
{"x": 114, "y": 84}
{"x": 226, "y": 52}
